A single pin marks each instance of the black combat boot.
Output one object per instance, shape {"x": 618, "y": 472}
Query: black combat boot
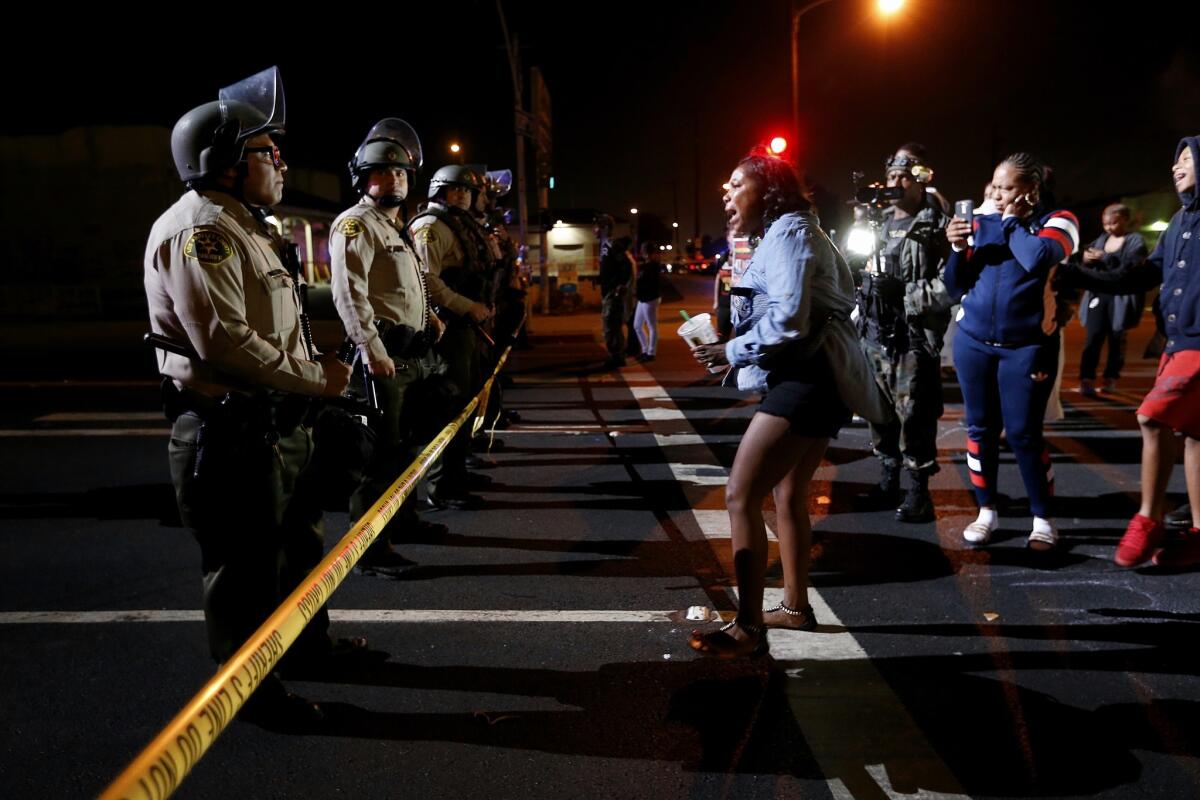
{"x": 917, "y": 505}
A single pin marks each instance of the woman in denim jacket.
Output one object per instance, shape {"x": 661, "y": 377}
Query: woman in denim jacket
{"x": 792, "y": 284}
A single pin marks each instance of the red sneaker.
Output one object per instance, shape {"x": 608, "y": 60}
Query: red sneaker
{"x": 1185, "y": 552}
{"x": 1141, "y": 539}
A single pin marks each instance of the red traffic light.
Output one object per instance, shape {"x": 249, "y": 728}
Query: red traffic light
{"x": 778, "y": 145}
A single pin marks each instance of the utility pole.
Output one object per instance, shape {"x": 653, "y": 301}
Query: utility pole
{"x": 521, "y": 127}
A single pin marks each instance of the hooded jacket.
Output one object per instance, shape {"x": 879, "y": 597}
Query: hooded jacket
{"x": 1174, "y": 264}
{"x": 1177, "y": 255}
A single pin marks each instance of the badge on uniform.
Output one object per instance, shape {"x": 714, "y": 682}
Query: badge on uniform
{"x": 208, "y": 247}
{"x": 351, "y": 227}
{"x": 423, "y": 235}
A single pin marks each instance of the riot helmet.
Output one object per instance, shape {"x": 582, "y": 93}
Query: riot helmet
{"x": 391, "y": 142}
{"x": 212, "y": 137}
{"x": 454, "y": 175}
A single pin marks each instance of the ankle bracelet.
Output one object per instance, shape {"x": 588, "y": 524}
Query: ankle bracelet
{"x": 791, "y": 612}
{"x": 753, "y": 630}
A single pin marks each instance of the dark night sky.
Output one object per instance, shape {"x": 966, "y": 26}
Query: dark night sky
{"x": 652, "y": 99}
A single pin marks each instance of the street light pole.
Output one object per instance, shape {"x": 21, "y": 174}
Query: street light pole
{"x": 521, "y": 128}
{"x": 886, "y": 7}
{"x": 797, "y": 13}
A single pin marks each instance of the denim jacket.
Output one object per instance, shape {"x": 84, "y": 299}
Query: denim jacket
{"x": 792, "y": 281}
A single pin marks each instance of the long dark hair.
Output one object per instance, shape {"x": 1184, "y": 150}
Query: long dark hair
{"x": 779, "y": 184}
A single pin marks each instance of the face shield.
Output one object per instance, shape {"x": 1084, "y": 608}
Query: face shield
{"x": 264, "y": 92}
{"x": 394, "y": 129}
{"x": 498, "y": 182}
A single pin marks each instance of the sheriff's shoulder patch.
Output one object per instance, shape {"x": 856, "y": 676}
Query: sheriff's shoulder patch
{"x": 423, "y": 235}
{"x": 208, "y": 247}
{"x": 351, "y": 227}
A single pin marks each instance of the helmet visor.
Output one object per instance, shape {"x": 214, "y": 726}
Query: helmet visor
{"x": 394, "y": 129}
{"x": 499, "y": 182}
{"x": 263, "y": 91}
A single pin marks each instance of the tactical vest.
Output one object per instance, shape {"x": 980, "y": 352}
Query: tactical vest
{"x": 472, "y": 279}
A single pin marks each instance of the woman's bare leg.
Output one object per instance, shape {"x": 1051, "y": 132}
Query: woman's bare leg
{"x": 793, "y": 526}
{"x": 767, "y": 453}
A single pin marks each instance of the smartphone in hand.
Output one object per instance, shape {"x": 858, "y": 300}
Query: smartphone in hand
{"x": 964, "y": 209}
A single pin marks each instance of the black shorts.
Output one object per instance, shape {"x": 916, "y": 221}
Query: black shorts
{"x": 806, "y": 395}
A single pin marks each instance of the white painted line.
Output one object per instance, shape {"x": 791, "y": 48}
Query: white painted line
{"x": 640, "y": 437}
{"x": 403, "y": 616}
{"x": 544, "y": 431}
{"x": 662, "y": 414}
{"x": 103, "y": 416}
{"x": 700, "y": 474}
{"x": 540, "y": 426}
{"x": 83, "y": 432}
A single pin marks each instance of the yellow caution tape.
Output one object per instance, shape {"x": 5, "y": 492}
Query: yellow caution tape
{"x": 158, "y": 770}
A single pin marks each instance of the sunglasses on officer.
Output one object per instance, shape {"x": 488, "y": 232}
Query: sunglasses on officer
{"x": 275, "y": 158}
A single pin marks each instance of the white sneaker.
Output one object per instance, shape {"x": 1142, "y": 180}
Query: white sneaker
{"x": 1044, "y": 535}
{"x": 980, "y": 531}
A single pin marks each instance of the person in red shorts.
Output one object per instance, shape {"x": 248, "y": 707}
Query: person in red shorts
{"x": 1173, "y": 405}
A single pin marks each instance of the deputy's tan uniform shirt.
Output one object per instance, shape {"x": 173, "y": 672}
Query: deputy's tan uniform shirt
{"x": 375, "y": 275}
{"x": 214, "y": 279}
{"x": 439, "y": 249}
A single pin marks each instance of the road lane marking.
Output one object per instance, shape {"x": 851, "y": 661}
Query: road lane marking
{"x": 365, "y": 615}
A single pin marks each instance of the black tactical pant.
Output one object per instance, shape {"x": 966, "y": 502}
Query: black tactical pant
{"x": 459, "y": 350}
{"x": 258, "y": 526}
{"x": 397, "y": 441}
{"x": 912, "y": 381}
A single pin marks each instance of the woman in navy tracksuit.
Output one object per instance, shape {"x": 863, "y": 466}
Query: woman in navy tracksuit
{"x": 1006, "y": 348}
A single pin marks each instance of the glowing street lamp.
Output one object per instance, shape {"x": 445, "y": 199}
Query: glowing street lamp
{"x": 885, "y": 7}
{"x": 454, "y": 148}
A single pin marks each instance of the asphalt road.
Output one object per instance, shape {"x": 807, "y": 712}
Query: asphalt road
{"x": 538, "y": 651}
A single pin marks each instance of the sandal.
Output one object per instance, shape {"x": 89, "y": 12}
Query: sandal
{"x": 791, "y": 619}
{"x": 719, "y": 644}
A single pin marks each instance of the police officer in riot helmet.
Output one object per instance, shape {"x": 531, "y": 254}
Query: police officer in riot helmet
{"x": 904, "y": 310}
{"x": 379, "y": 291}
{"x": 216, "y": 286}
{"x": 457, "y": 264}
